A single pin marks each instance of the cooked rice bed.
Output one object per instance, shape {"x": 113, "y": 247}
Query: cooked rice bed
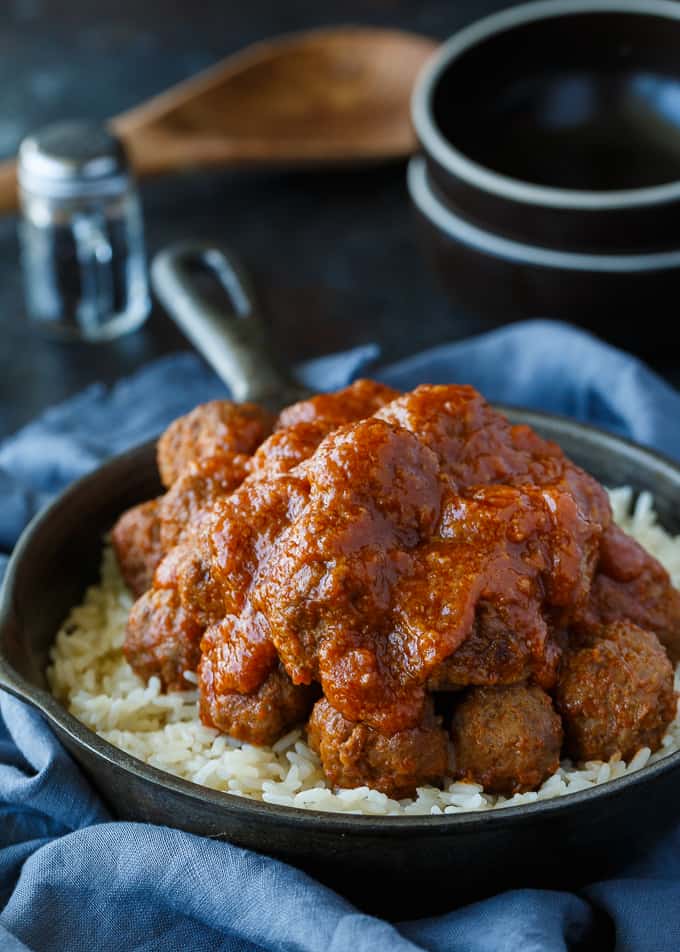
{"x": 92, "y": 678}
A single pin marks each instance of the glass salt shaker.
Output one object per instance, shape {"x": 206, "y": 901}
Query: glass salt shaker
{"x": 81, "y": 234}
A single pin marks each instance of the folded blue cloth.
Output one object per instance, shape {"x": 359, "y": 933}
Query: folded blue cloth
{"x": 72, "y": 879}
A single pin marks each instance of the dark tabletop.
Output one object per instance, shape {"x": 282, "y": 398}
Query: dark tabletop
{"x": 334, "y": 254}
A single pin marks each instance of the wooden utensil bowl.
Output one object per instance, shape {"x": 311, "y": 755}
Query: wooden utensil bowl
{"x": 338, "y": 95}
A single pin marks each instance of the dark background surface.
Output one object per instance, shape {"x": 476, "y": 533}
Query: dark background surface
{"x": 335, "y": 254}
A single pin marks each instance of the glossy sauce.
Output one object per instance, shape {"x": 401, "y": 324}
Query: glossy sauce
{"x": 369, "y": 563}
{"x": 390, "y": 557}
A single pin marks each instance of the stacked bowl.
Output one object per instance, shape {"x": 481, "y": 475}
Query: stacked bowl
{"x": 549, "y": 180}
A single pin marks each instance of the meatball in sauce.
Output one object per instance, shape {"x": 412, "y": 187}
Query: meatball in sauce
{"x": 369, "y": 558}
{"x": 615, "y": 692}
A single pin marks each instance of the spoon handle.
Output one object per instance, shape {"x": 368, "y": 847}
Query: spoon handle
{"x": 230, "y": 335}
{"x": 9, "y": 195}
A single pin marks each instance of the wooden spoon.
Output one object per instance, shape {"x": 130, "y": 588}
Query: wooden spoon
{"x": 338, "y": 95}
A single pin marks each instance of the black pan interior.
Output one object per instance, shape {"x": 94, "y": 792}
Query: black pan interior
{"x": 588, "y": 101}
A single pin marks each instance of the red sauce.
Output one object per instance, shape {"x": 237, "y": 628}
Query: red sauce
{"x": 379, "y": 548}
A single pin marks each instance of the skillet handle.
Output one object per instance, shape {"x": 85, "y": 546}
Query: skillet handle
{"x": 232, "y": 338}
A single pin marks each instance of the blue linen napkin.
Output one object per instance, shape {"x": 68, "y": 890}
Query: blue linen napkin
{"x": 71, "y": 879}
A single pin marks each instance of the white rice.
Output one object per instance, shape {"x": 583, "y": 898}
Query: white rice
{"x": 91, "y": 677}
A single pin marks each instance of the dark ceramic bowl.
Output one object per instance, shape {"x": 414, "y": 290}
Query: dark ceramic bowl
{"x": 558, "y": 123}
{"x": 399, "y": 866}
{"x": 627, "y": 297}
{"x": 551, "y": 136}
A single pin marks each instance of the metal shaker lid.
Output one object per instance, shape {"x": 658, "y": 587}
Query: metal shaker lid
{"x": 70, "y": 159}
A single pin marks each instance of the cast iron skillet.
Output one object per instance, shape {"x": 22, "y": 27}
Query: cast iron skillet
{"x": 397, "y": 866}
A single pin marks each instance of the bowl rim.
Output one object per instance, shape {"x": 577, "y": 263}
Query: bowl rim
{"x": 59, "y": 718}
{"x": 426, "y": 200}
{"x": 479, "y": 176}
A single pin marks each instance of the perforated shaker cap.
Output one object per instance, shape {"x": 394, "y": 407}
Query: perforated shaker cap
{"x": 69, "y": 159}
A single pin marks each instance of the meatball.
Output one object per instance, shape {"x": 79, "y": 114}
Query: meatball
{"x": 136, "y": 541}
{"x": 615, "y": 693}
{"x": 631, "y": 584}
{"x": 476, "y": 444}
{"x": 354, "y": 754}
{"x": 210, "y": 430}
{"x": 496, "y": 653}
{"x": 238, "y": 654}
{"x": 162, "y": 639}
{"x": 196, "y": 490}
{"x": 191, "y": 575}
{"x": 507, "y": 738}
{"x": 260, "y": 717}
{"x": 285, "y": 449}
{"x": 356, "y": 402}
{"x": 326, "y": 586}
